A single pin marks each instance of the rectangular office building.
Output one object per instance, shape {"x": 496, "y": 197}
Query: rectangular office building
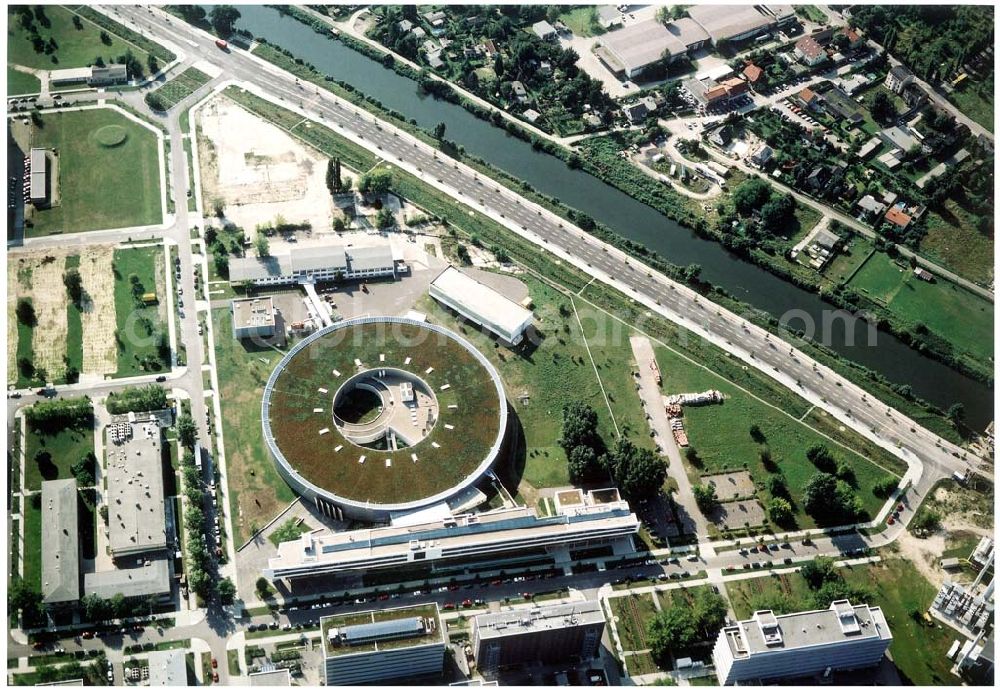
{"x": 564, "y": 633}
{"x": 136, "y": 516}
{"x": 377, "y": 645}
{"x": 798, "y": 645}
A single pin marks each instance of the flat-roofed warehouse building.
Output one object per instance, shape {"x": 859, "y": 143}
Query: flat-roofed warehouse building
{"x": 493, "y": 537}
{"x": 38, "y": 189}
{"x": 323, "y": 263}
{"x": 253, "y": 317}
{"x": 769, "y": 647}
{"x": 563, "y": 633}
{"x": 379, "y": 645}
{"x": 631, "y": 49}
{"x": 479, "y": 303}
{"x": 136, "y": 515}
{"x": 168, "y": 668}
{"x": 60, "y": 543}
{"x": 739, "y": 22}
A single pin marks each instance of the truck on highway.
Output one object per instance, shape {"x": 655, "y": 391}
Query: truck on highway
{"x": 222, "y": 44}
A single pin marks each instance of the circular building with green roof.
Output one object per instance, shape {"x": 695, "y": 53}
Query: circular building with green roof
{"x": 382, "y": 415}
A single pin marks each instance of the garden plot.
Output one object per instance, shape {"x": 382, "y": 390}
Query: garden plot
{"x": 258, "y": 171}
{"x": 100, "y": 356}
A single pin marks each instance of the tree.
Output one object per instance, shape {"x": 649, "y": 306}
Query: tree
{"x": 25, "y": 312}
{"x": 105, "y": 38}
{"x": 376, "y": 183}
{"x": 77, "y": 22}
{"x": 583, "y": 464}
{"x": 821, "y": 458}
{"x": 756, "y": 435}
{"x": 776, "y": 213}
{"x": 95, "y": 608}
{"x": 74, "y": 285}
{"x": 882, "y": 108}
{"x": 333, "y": 179}
{"x": 956, "y": 413}
{"x": 24, "y": 598}
{"x": 670, "y": 630}
{"x": 261, "y": 245}
{"x": 780, "y": 511}
{"x": 751, "y": 195}
{"x": 153, "y": 64}
{"x": 187, "y": 431}
{"x": 462, "y": 253}
{"x": 638, "y": 473}
{"x": 227, "y": 591}
{"x": 830, "y": 501}
{"x": 818, "y": 571}
{"x": 884, "y": 487}
{"x": 579, "y": 427}
{"x": 263, "y": 589}
{"x": 83, "y": 470}
{"x": 385, "y": 218}
{"x": 223, "y": 18}
{"x": 439, "y": 131}
{"x": 776, "y": 487}
{"x": 705, "y": 496}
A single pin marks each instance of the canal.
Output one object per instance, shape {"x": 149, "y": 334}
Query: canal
{"x": 631, "y": 219}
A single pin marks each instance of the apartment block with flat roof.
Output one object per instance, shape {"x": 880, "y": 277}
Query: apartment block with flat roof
{"x": 563, "y": 633}
{"x": 770, "y": 647}
{"x": 378, "y": 645}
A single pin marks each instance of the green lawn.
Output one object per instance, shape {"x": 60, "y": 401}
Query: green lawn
{"x": 181, "y": 86}
{"x": 952, "y": 312}
{"x": 918, "y": 650}
{"x": 582, "y": 21}
{"x": 720, "y": 434}
{"x": 976, "y": 102}
{"x": 21, "y": 83}
{"x": 632, "y": 614}
{"x": 953, "y": 240}
{"x": 895, "y": 586}
{"x": 139, "y": 327}
{"x": 75, "y": 47}
{"x": 847, "y": 261}
{"x": 552, "y": 375}
{"x": 100, "y": 185}
{"x": 256, "y": 491}
{"x": 32, "y": 567}
{"x": 65, "y": 448}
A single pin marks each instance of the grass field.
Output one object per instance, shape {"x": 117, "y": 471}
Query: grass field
{"x": 181, "y": 86}
{"x": 720, "y": 434}
{"x": 101, "y": 184}
{"x": 21, "y": 83}
{"x": 582, "y": 21}
{"x": 782, "y": 593}
{"x": 66, "y": 448}
{"x": 953, "y": 240}
{"x": 975, "y": 102}
{"x": 24, "y": 350}
{"x": 918, "y": 650}
{"x": 632, "y": 614}
{"x": 843, "y": 266}
{"x": 32, "y": 568}
{"x": 75, "y": 47}
{"x": 138, "y": 327}
{"x": 552, "y": 375}
{"x": 954, "y": 313}
{"x": 256, "y": 491}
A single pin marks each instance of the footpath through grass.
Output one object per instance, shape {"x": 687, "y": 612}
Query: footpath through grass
{"x": 140, "y": 346}
{"x": 108, "y": 172}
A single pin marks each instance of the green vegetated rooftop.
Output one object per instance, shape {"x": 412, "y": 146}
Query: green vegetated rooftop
{"x": 427, "y": 611}
{"x": 296, "y": 425}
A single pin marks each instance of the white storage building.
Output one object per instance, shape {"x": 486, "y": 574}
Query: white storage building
{"x": 481, "y": 304}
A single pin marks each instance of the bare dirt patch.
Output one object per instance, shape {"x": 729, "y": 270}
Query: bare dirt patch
{"x": 736, "y": 515}
{"x": 258, "y": 170}
{"x": 100, "y": 356}
{"x": 731, "y": 485}
{"x": 40, "y": 277}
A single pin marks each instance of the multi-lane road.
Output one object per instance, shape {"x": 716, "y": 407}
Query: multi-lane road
{"x": 823, "y": 387}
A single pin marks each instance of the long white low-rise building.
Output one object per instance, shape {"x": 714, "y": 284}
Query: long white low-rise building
{"x": 770, "y": 647}
{"x": 469, "y": 537}
{"x": 479, "y": 303}
{"x": 310, "y": 263}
